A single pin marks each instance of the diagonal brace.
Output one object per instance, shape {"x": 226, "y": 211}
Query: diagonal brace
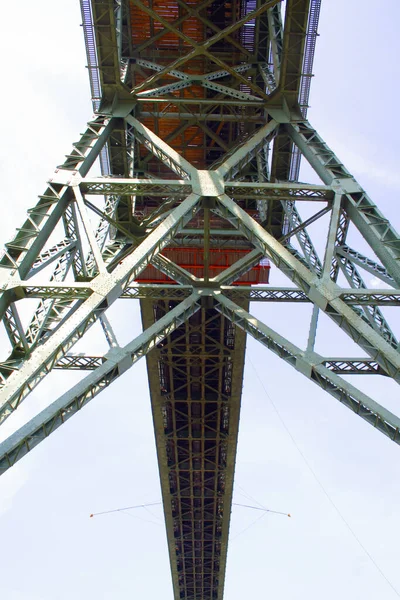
{"x": 118, "y": 360}
{"x": 107, "y": 287}
{"x": 323, "y": 293}
{"x": 311, "y": 365}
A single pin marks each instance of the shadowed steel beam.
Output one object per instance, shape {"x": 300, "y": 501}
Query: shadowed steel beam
{"x": 201, "y": 48}
{"x": 77, "y": 362}
{"x": 239, "y": 268}
{"x": 343, "y": 366}
{"x": 202, "y": 116}
{"x": 160, "y": 149}
{"x": 360, "y": 297}
{"x": 194, "y": 11}
{"x": 353, "y": 366}
{"x": 174, "y": 271}
{"x": 148, "y": 187}
{"x": 280, "y": 191}
{"x": 245, "y": 150}
{"x": 248, "y": 189}
{"x": 294, "y": 37}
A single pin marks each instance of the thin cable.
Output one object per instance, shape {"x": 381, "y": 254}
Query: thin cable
{"x": 266, "y": 510}
{"x": 320, "y": 484}
{"x": 128, "y": 514}
{"x": 151, "y": 513}
{"x": 106, "y": 512}
{"x": 248, "y": 526}
{"x": 247, "y": 495}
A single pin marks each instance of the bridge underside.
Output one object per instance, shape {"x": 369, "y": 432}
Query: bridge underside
{"x": 195, "y": 382}
{"x": 201, "y": 74}
{"x": 199, "y": 127}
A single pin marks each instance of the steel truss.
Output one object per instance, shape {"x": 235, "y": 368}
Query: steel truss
{"x": 198, "y": 143}
{"x": 80, "y": 303}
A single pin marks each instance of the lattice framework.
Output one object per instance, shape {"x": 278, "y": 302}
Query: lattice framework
{"x": 221, "y": 175}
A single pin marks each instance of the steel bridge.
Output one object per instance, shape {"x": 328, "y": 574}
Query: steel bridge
{"x": 200, "y": 124}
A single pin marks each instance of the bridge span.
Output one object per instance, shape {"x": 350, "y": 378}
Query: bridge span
{"x": 199, "y": 127}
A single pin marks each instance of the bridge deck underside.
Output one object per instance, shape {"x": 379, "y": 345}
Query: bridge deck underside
{"x": 195, "y": 383}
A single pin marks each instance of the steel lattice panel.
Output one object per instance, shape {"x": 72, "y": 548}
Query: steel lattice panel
{"x": 195, "y": 383}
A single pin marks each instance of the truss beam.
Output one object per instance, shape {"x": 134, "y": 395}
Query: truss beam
{"x": 115, "y": 363}
{"x": 329, "y": 301}
{"x": 374, "y": 268}
{"x": 310, "y": 364}
{"x": 373, "y": 226}
{"x": 191, "y": 104}
{"x": 108, "y": 288}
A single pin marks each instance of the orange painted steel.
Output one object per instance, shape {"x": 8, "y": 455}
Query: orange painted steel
{"x": 192, "y": 259}
{"x": 190, "y": 142}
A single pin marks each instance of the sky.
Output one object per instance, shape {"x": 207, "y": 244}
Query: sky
{"x": 299, "y": 450}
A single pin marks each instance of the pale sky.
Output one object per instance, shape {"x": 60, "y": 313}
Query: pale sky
{"x": 299, "y": 450}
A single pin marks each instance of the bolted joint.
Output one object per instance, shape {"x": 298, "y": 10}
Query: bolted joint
{"x": 208, "y": 202}
{"x": 208, "y": 301}
{"x": 207, "y": 183}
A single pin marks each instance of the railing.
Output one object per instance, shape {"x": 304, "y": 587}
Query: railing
{"x": 306, "y": 75}
{"x": 90, "y": 43}
{"x": 94, "y": 76}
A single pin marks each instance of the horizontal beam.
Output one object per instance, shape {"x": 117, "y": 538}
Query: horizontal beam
{"x": 342, "y": 366}
{"x": 353, "y": 366}
{"x": 254, "y": 293}
{"x": 252, "y": 117}
{"x": 246, "y": 189}
{"x": 147, "y": 187}
{"x": 280, "y": 191}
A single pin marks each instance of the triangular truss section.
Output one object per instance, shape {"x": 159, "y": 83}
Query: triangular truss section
{"x": 88, "y": 241}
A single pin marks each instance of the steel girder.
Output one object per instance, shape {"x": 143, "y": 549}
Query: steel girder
{"x": 224, "y": 100}
{"x": 350, "y": 296}
{"x": 195, "y": 381}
